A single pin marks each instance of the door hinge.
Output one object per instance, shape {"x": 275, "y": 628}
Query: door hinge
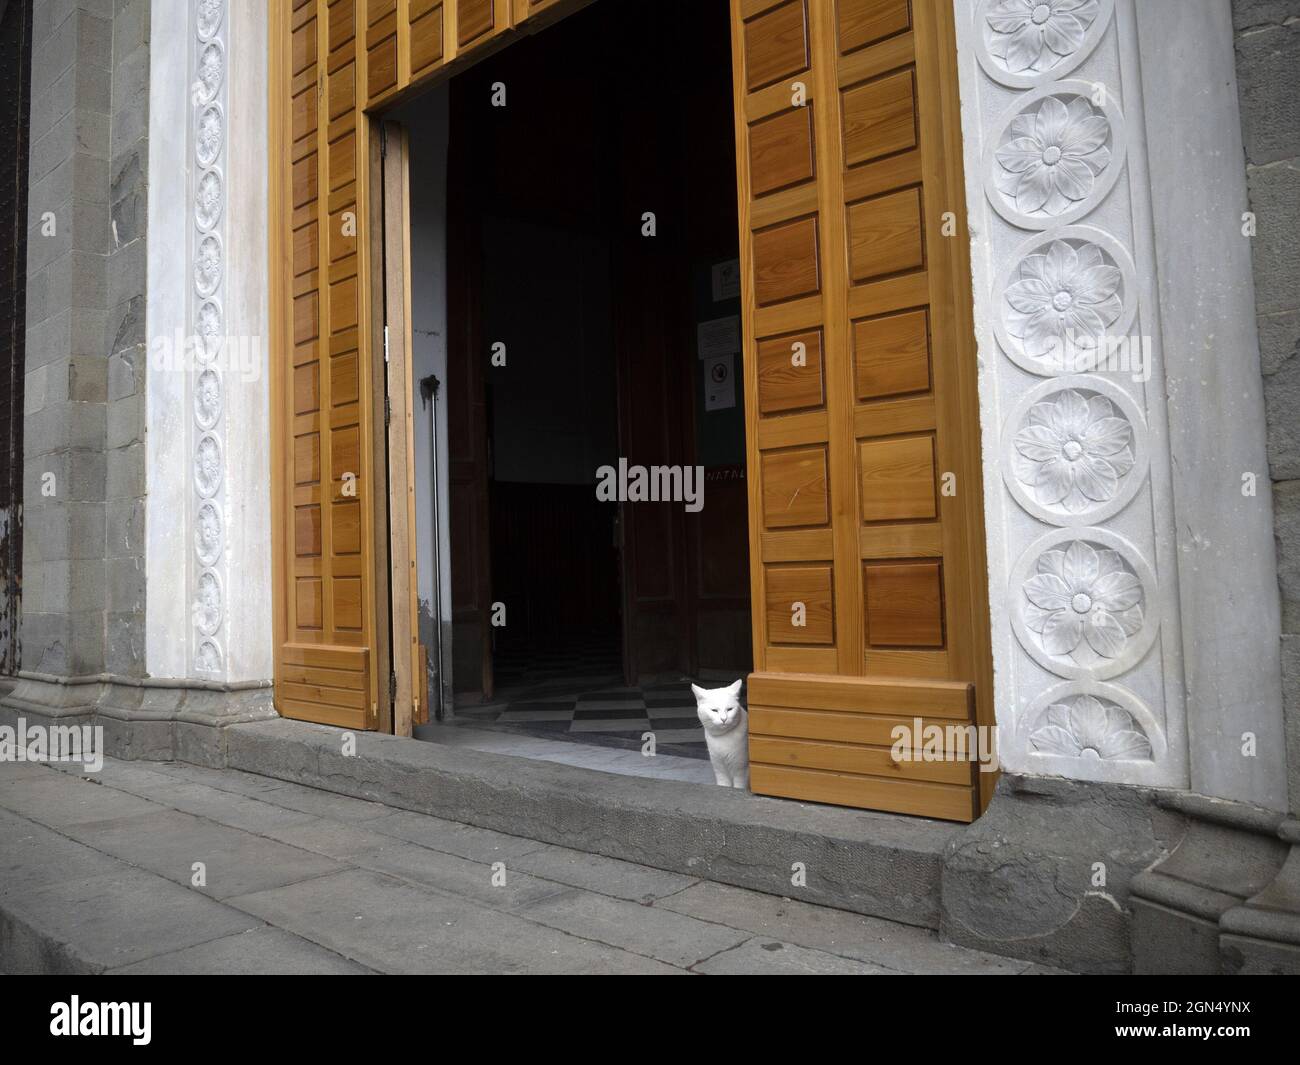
{"x": 383, "y": 140}
{"x": 385, "y": 343}
{"x": 392, "y": 686}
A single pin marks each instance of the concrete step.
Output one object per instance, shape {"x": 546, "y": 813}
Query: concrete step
{"x": 875, "y": 864}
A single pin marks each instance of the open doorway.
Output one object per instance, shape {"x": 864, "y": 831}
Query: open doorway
{"x": 573, "y": 198}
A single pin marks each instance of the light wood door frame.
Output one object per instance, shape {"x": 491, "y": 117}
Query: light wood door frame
{"x": 398, "y": 442}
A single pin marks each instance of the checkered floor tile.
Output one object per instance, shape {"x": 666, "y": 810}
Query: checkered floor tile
{"x": 571, "y": 697}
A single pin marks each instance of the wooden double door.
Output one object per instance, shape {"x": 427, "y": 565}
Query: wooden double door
{"x": 867, "y": 573}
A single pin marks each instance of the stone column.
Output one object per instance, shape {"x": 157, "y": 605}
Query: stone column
{"x": 1263, "y": 935}
{"x": 70, "y": 239}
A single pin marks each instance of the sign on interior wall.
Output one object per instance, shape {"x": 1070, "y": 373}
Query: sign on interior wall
{"x": 718, "y": 337}
{"x": 726, "y": 280}
{"x": 720, "y": 382}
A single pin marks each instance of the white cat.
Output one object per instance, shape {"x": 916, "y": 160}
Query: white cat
{"x": 726, "y": 731}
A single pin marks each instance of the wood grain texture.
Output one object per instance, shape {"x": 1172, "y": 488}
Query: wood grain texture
{"x": 879, "y": 118}
{"x": 473, "y": 19}
{"x": 898, "y": 480}
{"x": 401, "y": 433}
{"x": 781, "y": 151}
{"x": 785, "y": 261}
{"x": 904, "y": 604}
{"x": 795, "y": 488}
{"x": 923, "y": 799}
{"x": 891, "y": 354}
{"x": 790, "y": 373}
{"x": 800, "y": 605}
{"x": 776, "y": 44}
{"x": 863, "y": 22}
{"x": 885, "y": 235}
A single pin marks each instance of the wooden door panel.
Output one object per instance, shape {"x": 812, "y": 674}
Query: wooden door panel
{"x": 863, "y": 22}
{"x": 776, "y": 44}
{"x": 322, "y": 469}
{"x": 790, "y": 373}
{"x": 848, "y": 154}
{"x": 474, "y": 18}
{"x": 891, "y": 354}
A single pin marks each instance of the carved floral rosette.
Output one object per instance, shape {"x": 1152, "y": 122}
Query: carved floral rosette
{"x": 208, "y": 132}
{"x": 1023, "y": 43}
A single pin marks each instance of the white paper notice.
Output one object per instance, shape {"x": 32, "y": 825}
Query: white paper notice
{"x": 726, "y": 280}
{"x": 720, "y": 382}
{"x": 721, "y": 336}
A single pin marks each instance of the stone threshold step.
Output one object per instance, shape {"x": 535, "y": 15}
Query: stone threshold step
{"x": 881, "y": 865}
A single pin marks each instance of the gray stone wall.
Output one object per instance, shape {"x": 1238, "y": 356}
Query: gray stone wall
{"x": 83, "y": 557}
{"x": 1268, "y": 80}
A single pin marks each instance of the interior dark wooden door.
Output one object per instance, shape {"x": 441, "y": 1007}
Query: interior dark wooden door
{"x": 651, "y": 331}
{"x": 468, "y": 459}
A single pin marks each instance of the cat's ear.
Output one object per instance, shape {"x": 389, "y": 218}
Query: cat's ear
{"x": 700, "y": 693}
{"x": 734, "y": 689}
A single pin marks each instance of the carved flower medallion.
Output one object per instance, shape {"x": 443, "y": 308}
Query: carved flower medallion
{"x": 208, "y": 604}
{"x": 209, "y": 201}
{"x": 209, "y": 326}
{"x": 1082, "y": 596}
{"x": 207, "y": 265}
{"x": 207, "y": 466}
{"x": 209, "y": 135}
{"x": 207, "y": 398}
{"x": 1073, "y": 450}
{"x": 211, "y": 68}
{"x": 1065, "y": 298}
{"x": 1084, "y": 726}
{"x": 207, "y": 659}
{"x": 207, "y": 534}
{"x": 210, "y": 13}
{"x": 1054, "y": 156}
{"x": 1032, "y": 36}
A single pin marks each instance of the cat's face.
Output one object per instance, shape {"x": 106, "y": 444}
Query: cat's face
{"x": 718, "y": 708}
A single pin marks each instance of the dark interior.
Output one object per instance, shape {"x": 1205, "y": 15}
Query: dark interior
{"x": 609, "y": 114}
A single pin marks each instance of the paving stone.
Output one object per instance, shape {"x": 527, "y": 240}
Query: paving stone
{"x": 460, "y": 877}
{"x": 134, "y": 777}
{"x": 33, "y": 857}
{"x": 262, "y": 952}
{"x": 869, "y": 939}
{"x": 331, "y": 838}
{"x": 226, "y": 808}
{"x": 124, "y": 917}
{"x": 766, "y": 957}
{"x": 394, "y": 927}
{"x": 11, "y": 772}
{"x": 60, "y": 800}
{"x": 326, "y": 803}
{"x": 451, "y": 837}
{"x": 607, "y": 876}
{"x": 168, "y": 842}
{"x": 232, "y": 780}
{"x": 670, "y": 937}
